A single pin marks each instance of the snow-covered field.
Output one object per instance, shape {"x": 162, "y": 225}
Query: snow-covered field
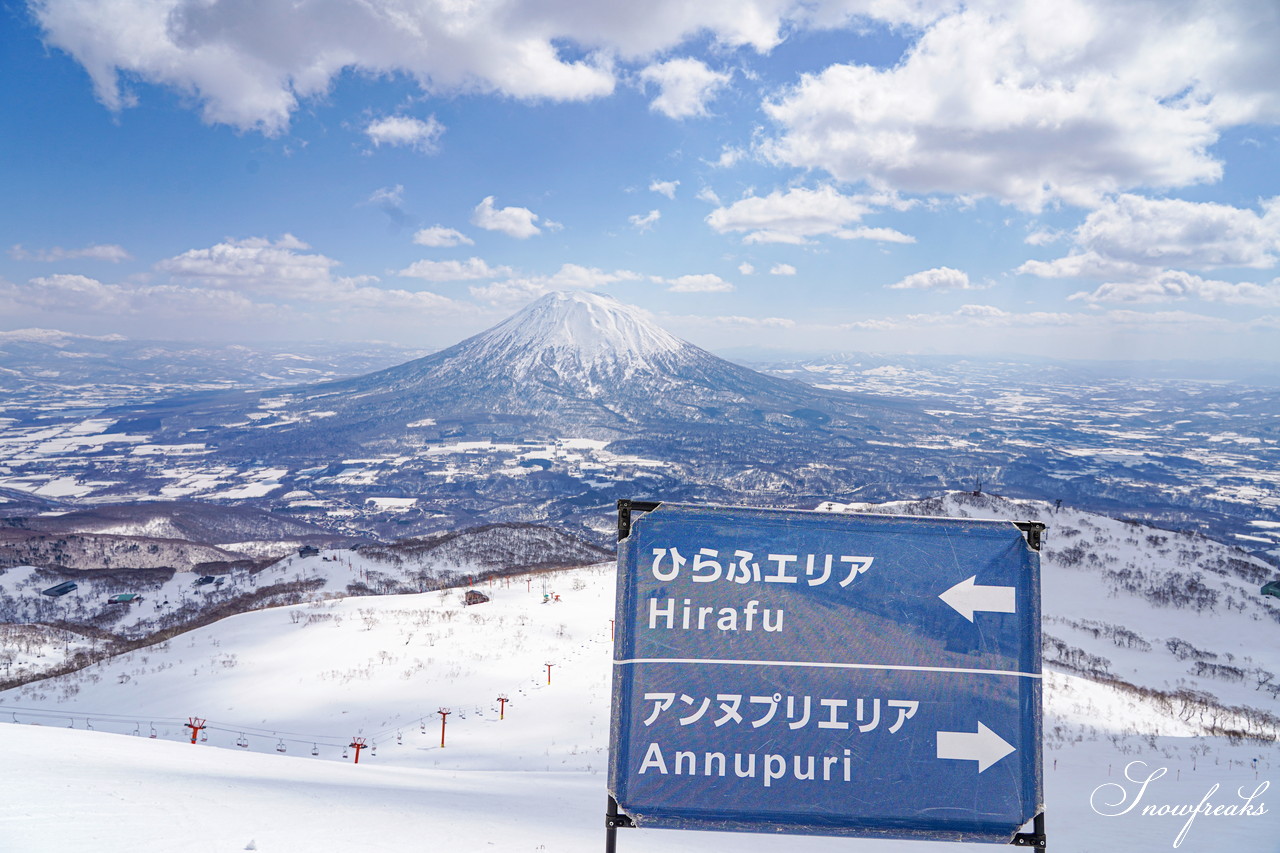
{"x": 314, "y": 676}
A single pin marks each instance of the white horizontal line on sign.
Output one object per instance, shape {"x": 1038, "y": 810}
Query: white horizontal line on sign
{"x": 824, "y": 665}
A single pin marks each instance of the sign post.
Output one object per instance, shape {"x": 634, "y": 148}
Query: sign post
{"x": 828, "y": 674}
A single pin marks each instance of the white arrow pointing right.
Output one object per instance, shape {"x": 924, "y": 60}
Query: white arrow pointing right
{"x": 967, "y": 597}
{"x": 983, "y": 746}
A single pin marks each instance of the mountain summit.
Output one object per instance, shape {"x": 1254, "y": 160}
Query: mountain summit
{"x": 576, "y": 333}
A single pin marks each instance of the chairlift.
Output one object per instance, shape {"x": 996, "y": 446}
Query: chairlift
{"x": 344, "y": 752}
{"x": 153, "y": 730}
{"x": 137, "y": 732}
{"x": 72, "y": 724}
{"x": 399, "y": 739}
{"x": 423, "y": 723}
{"x": 373, "y": 749}
{"x": 280, "y": 747}
{"x": 88, "y": 724}
{"x": 204, "y": 735}
{"x": 315, "y": 749}
{"x": 242, "y": 742}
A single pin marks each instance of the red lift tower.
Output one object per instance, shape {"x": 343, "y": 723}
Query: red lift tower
{"x": 357, "y": 743}
{"x": 502, "y": 705}
{"x": 195, "y": 724}
{"x": 444, "y": 715}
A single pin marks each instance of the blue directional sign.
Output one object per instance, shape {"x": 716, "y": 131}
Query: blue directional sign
{"x": 823, "y": 673}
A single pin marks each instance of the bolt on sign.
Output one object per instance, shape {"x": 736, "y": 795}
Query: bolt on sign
{"x": 830, "y": 674}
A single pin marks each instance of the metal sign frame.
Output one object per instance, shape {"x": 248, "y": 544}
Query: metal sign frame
{"x": 970, "y": 601}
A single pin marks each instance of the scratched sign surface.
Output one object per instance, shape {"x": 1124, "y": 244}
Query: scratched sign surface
{"x": 819, "y": 673}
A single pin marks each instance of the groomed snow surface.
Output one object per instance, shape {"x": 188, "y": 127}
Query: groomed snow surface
{"x": 314, "y": 676}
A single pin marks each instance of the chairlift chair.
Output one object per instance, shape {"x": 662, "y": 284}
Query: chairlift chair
{"x": 242, "y": 741}
{"x": 153, "y": 730}
{"x": 280, "y": 747}
{"x": 315, "y": 749}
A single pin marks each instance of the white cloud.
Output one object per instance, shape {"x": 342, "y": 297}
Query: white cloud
{"x": 1104, "y": 322}
{"x": 701, "y": 283}
{"x": 1131, "y": 243}
{"x": 880, "y": 235}
{"x": 667, "y": 188}
{"x": 735, "y": 320}
{"x": 1032, "y": 104}
{"x": 646, "y": 221}
{"x": 782, "y": 269}
{"x": 97, "y": 252}
{"x": 77, "y": 293}
{"x": 708, "y": 195}
{"x": 255, "y": 263}
{"x": 1148, "y": 232}
{"x": 81, "y": 295}
{"x": 685, "y": 86}
{"x": 798, "y": 214}
{"x": 393, "y": 195}
{"x": 451, "y": 270}
{"x": 407, "y": 132}
{"x": 1012, "y": 99}
{"x": 284, "y": 270}
{"x": 937, "y": 279}
{"x": 251, "y": 64}
{"x": 394, "y": 303}
{"x": 390, "y": 200}
{"x": 437, "y": 236}
{"x": 388, "y": 196}
{"x": 245, "y": 282}
{"x": 1080, "y": 265}
{"x": 518, "y": 222}
{"x": 1176, "y": 285}
{"x": 1043, "y": 237}
{"x": 729, "y": 157}
{"x": 568, "y": 277}
{"x": 746, "y": 268}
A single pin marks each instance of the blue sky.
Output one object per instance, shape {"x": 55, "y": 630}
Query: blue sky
{"x": 1094, "y": 180}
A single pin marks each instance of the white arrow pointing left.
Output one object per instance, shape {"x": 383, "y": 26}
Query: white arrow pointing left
{"x": 968, "y": 597}
{"x": 983, "y": 746}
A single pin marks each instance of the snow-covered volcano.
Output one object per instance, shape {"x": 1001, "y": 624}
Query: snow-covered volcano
{"x": 575, "y": 363}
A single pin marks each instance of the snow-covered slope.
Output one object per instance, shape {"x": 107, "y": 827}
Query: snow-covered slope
{"x": 528, "y": 777}
{"x": 40, "y": 634}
